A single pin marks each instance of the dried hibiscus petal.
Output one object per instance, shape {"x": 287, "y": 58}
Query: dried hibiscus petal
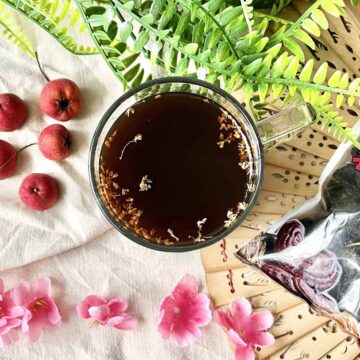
{"x": 321, "y": 271}
{"x": 322, "y": 301}
{"x": 282, "y": 276}
{"x": 290, "y": 234}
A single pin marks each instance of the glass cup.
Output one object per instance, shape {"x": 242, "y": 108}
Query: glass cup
{"x": 261, "y": 135}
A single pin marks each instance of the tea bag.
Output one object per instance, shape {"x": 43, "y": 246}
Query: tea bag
{"x": 314, "y": 251}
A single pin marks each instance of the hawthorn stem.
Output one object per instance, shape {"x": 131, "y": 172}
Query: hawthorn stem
{"x": 40, "y": 68}
{"x": 16, "y": 154}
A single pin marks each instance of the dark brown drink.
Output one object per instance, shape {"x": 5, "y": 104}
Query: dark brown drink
{"x": 176, "y": 169}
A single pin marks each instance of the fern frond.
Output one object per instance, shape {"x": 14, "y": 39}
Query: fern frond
{"x": 334, "y": 123}
{"x": 55, "y": 17}
{"x": 12, "y": 31}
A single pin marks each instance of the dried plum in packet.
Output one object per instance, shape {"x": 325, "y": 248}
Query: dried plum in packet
{"x": 314, "y": 251}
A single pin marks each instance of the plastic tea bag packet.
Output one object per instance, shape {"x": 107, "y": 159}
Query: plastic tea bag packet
{"x": 314, "y": 251}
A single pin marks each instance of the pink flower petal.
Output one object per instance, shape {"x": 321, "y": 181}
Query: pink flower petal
{"x": 83, "y": 306}
{"x": 202, "y": 313}
{"x": 100, "y": 313}
{"x": 53, "y": 313}
{"x": 1, "y": 286}
{"x": 43, "y": 287}
{"x": 185, "y": 336}
{"x": 224, "y": 319}
{"x": 117, "y": 306}
{"x": 243, "y": 351}
{"x": 34, "y": 332}
{"x": 235, "y": 338}
{"x": 13, "y": 323}
{"x": 241, "y": 310}
{"x": 25, "y": 321}
{"x": 82, "y": 309}
{"x": 22, "y": 294}
{"x": 123, "y": 322}
{"x": 187, "y": 287}
{"x": 260, "y": 320}
{"x": 261, "y": 338}
{"x": 8, "y": 338}
{"x": 16, "y": 311}
{"x": 95, "y": 300}
{"x": 166, "y": 317}
{"x": 183, "y": 313}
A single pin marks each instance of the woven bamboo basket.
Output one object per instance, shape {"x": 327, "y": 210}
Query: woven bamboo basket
{"x": 291, "y": 176}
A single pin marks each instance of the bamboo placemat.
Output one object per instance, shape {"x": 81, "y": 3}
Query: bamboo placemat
{"x": 291, "y": 176}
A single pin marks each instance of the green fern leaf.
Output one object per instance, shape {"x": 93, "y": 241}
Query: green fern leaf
{"x": 12, "y": 31}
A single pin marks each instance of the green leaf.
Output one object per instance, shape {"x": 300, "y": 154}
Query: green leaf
{"x": 280, "y": 65}
{"x": 344, "y": 82}
{"x": 112, "y": 30}
{"x": 274, "y": 50}
{"x": 214, "y": 5}
{"x": 320, "y": 75}
{"x": 229, "y": 14}
{"x": 120, "y": 47}
{"x": 182, "y": 67}
{"x": 98, "y": 10}
{"x": 197, "y": 33}
{"x": 131, "y": 73}
{"x": 156, "y": 8}
{"x": 294, "y": 48}
{"x": 138, "y": 79}
{"x": 311, "y": 27}
{"x": 315, "y": 97}
{"x": 248, "y": 92}
{"x": 265, "y": 66}
{"x": 129, "y": 60}
{"x": 339, "y": 100}
{"x": 306, "y": 94}
{"x": 141, "y": 41}
{"x": 277, "y": 90}
{"x": 252, "y": 68}
{"x": 125, "y": 30}
{"x": 351, "y": 100}
{"x": 324, "y": 99}
{"x": 182, "y": 24}
{"x": 117, "y": 63}
{"x": 204, "y": 55}
{"x": 335, "y": 79}
{"x": 319, "y": 17}
{"x": 263, "y": 91}
{"x": 330, "y": 7}
{"x": 191, "y": 48}
{"x": 292, "y": 69}
{"x": 213, "y": 39}
{"x": 304, "y": 37}
{"x": 128, "y": 5}
{"x": 307, "y": 70}
{"x": 222, "y": 51}
{"x": 148, "y": 19}
{"x": 166, "y": 16}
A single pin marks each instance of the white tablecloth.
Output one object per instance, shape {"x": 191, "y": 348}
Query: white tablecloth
{"x": 71, "y": 243}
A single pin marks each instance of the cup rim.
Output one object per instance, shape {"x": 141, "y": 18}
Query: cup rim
{"x": 131, "y": 235}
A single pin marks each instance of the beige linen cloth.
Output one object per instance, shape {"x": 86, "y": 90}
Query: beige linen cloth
{"x": 72, "y": 243}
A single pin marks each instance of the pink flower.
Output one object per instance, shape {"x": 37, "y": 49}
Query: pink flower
{"x": 40, "y": 310}
{"x": 9, "y": 320}
{"x": 183, "y": 312}
{"x": 112, "y": 312}
{"x": 246, "y": 329}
